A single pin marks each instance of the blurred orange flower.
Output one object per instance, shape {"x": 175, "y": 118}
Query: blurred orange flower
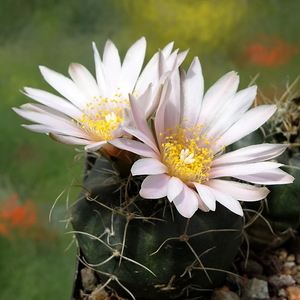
{"x": 270, "y": 51}
{"x": 16, "y": 218}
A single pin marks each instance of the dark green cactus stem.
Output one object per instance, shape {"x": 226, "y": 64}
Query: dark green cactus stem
{"x": 144, "y": 249}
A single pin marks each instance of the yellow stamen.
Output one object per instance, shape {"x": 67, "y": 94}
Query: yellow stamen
{"x": 98, "y": 121}
{"x": 184, "y": 157}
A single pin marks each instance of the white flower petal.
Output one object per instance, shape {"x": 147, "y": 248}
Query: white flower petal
{"x": 150, "y": 74}
{"x": 148, "y": 140}
{"x": 201, "y": 204}
{"x": 178, "y": 61}
{"x": 94, "y": 146}
{"x": 36, "y": 113}
{"x": 154, "y": 186}
{"x": 275, "y": 176}
{"x": 175, "y": 186}
{"x": 217, "y": 96}
{"x": 149, "y": 101}
{"x": 239, "y": 191}
{"x": 253, "y": 153}
{"x": 37, "y": 128}
{"x": 148, "y": 166}
{"x": 100, "y": 72}
{"x": 53, "y": 101}
{"x": 140, "y": 118}
{"x": 242, "y": 169}
{"x": 42, "y": 109}
{"x": 171, "y": 60}
{"x": 172, "y": 109}
{"x": 47, "y": 111}
{"x": 193, "y": 87}
{"x": 135, "y": 147}
{"x": 250, "y": 121}
{"x": 166, "y": 51}
{"x": 65, "y": 86}
{"x": 112, "y": 66}
{"x": 47, "y": 129}
{"x": 84, "y": 80}
{"x": 228, "y": 201}
{"x": 162, "y": 65}
{"x": 70, "y": 140}
{"x": 159, "y": 121}
{"x": 231, "y": 112}
{"x": 206, "y": 195}
{"x": 167, "y": 93}
{"x": 55, "y": 124}
{"x": 186, "y": 202}
{"x": 132, "y": 65}
{"x": 161, "y": 62}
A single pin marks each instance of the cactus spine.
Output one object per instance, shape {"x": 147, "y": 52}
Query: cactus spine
{"x": 144, "y": 249}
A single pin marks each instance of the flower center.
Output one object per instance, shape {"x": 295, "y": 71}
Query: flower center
{"x": 102, "y": 116}
{"x": 183, "y": 155}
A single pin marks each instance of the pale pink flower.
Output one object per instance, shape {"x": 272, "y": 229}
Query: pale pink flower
{"x": 91, "y": 110}
{"x": 184, "y": 153}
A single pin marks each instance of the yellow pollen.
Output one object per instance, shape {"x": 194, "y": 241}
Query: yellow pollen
{"x": 99, "y": 122}
{"x": 187, "y": 155}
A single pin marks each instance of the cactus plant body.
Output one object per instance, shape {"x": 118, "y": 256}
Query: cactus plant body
{"x": 144, "y": 248}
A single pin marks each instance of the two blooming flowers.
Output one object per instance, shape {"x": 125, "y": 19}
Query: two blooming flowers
{"x": 183, "y": 151}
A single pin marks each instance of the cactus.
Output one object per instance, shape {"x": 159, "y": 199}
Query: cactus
{"x": 144, "y": 248}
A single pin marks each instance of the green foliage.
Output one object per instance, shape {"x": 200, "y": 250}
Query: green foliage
{"x": 36, "y": 270}
{"x": 13, "y": 21}
{"x": 201, "y": 26}
{"x": 53, "y": 17}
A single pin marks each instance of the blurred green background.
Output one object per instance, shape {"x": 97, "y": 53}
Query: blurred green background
{"x": 249, "y": 36}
